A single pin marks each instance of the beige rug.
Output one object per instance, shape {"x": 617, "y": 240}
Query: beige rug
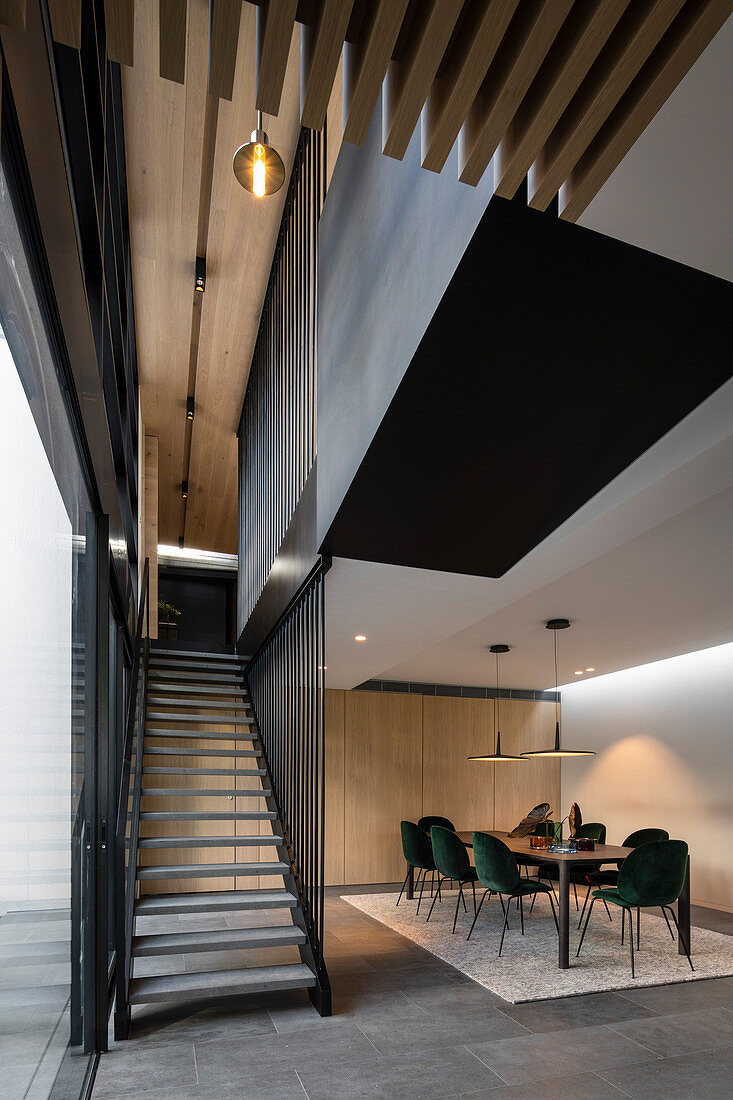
{"x": 527, "y": 969}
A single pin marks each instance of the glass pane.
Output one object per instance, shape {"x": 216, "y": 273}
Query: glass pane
{"x": 45, "y": 913}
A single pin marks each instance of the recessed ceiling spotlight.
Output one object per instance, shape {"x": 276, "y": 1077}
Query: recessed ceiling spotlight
{"x": 323, "y": 668}
{"x": 578, "y": 672}
{"x": 360, "y": 637}
{"x": 590, "y": 670}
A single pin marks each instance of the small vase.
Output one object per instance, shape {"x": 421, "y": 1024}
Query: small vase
{"x": 558, "y": 832}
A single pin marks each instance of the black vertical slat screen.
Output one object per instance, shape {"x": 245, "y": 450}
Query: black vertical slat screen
{"x": 286, "y": 683}
{"x": 277, "y": 430}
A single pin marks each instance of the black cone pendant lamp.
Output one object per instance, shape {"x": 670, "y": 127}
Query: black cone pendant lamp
{"x": 555, "y": 625}
{"x": 495, "y": 757}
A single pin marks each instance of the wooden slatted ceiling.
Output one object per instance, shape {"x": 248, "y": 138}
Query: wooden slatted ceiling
{"x": 555, "y": 91}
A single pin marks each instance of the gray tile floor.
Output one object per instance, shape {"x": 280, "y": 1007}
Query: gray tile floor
{"x": 406, "y": 1025}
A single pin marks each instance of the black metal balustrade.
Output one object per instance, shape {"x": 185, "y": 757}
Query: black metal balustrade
{"x": 286, "y": 683}
{"x": 128, "y": 812}
{"x": 277, "y": 429}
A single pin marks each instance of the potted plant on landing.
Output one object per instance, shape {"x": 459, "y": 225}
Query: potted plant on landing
{"x": 168, "y": 620}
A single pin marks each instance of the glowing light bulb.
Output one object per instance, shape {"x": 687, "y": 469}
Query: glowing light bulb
{"x": 259, "y": 172}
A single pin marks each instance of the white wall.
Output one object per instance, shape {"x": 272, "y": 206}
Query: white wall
{"x": 663, "y": 734}
{"x": 35, "y": 658}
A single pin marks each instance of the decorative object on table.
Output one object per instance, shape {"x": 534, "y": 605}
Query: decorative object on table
{"x": 535, "y": 817}
{"x": 558, "y": 831}
{"x": 575, "y": 818}
{"x": 584, "y": 844}
{"x": 498, "y": 755}
{"x": 540, "y": 842}
{"x": 169, "y": 619}
{"x": 554, "y": 625}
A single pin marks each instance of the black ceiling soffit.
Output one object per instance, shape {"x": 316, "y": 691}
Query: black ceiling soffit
{"x": 556, "y": 357}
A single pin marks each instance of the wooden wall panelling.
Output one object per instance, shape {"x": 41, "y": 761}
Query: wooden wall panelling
{"x": 453, "y": 93}
{"x": 638, "y": 32}
{"x": 383, "y": 782}
{"x": 119, "y": 20}
{"x": 454, "y": 786}
{"x": 172, "y": 39}
{"x": 334, "y": 780}
{"x": 519, "y": 787}
{"x": 408, "y": 80}
{"x": 366, "y": 64}
{"x": 507, "y": 82}
{"x": 690, "y": 34}
{"x": 66, "y": 22}
{"x": 581, "y": 39}
{"x": 320, "y": 57}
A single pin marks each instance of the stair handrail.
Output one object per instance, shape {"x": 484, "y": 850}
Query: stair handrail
{"x": 128, "y": 809}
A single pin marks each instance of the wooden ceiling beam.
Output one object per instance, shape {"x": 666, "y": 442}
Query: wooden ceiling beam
{"x": 66, "y": 22}
{"x": 12, "y": 13}
{"x": 518, "y": 60}
{"x": 119, "y": 22}
{"x": 366, "y": 64}
{"x": 581, "y": 39}
{"x": 275, "y": 25}
{"x": 409, "y": 80}
{"x": 627, "y": 50}
{"x": 320, "y": 53}
{"x": 690, "y": 34}
{"x": 452, "y": 94}
{"x": 172, "y": 40}
{"x": 224, "y": 16}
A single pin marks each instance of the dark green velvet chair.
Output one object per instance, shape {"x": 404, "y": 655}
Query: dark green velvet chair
{"x": 650, "y": 876}
{"x": 451, "y": 859}
{"x": 427, "y": 823}
{"x": 609, "y": 877}
{"x": 418, "y": 853}
{"x": 498, "y": 873}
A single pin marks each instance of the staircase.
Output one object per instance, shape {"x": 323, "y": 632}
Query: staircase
{"x": 206, "y": 811}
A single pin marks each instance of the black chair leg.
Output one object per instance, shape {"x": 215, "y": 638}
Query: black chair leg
{"x": 404, "y": 884}
{"x": 631, "y": 939}
{"x": 582, "y": 911}
{"x": 585, "y": 926}
{"x": 575, "y": 891}
{"x": 638, "y": 928}
{"x": 669, "y": 926}
{"x": 685, "y": 945}
{"x": 422, "y": 887}
{"x": 608, "y": 910}
{"x": 437, "y": 895}
{"x": 460, "y": 895}
{"x": 459, "y": 899}
{"x": 473, "y": 922}
{"x": 554, "y": 914}
{"x": 521, "y": 913}
{"x": 503, "y": 931}
{"x": 623, "y": 927}
{"x": 473, "y": 887}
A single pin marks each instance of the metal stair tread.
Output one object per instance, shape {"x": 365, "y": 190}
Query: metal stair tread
{"x": 165, "y": 717}
{"x": 165, "y": 750}
{"x": 210, "y": 704}
{"x": 220, "y": 939}
{"x": 203, "y": 815}
{"x": 211, "y": 870}
{"x": 186, "y": 654}
{"x": 214, "y": 901}
{"x": 152, "y": 769}
{"x": 205, "y": 735}
{"x": 202, "y": 792}
{"x": 253, "y": 841}
{"x": 204, "y": 689}
{"x": 256, "y": 979}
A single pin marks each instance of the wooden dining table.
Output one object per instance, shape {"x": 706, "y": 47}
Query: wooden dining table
{"x": 603, "y": 853}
